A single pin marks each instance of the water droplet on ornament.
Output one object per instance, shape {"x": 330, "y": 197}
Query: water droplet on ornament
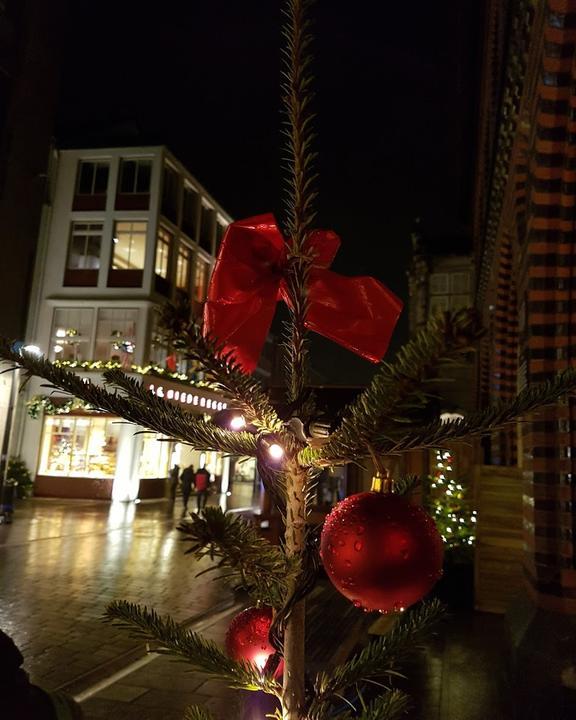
{"x": 347, "y": 563}
{"x": 341, "y": 543}
{"x": 360, "y": 530}
{"x": 358, "y": 546}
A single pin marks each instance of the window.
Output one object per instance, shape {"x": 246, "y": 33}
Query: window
{"x": 135, "y": 176}
{"x": 154, "y": 456}
{"x": 91, "y": 185}
{"x": 71, "y": 333}
{"x": 460, "y": 283}
{"x": 116, "y": 335}
{"x": 206, "y": 228}
{"x": 83, "y": 260}
{"x": 80, "y": 446}
{"x": 457, "y": 302}
{"x": 162, "y": 263}
{"x": 439, "y": 284}
{"x": 134, "y": 184}
{"x": 170, "y": 183}
{"x": 190, "y": 211}
{"x": 183, "y": 262}
{"x": 129, "y": 249}
{"x": 220, "y": 230}
{"x": 201, "y": 271}
{"x": 438, "y": 304}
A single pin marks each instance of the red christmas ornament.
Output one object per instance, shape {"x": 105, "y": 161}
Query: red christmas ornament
{"x": 381, "y": 551}
{"x": 247, "y": 637}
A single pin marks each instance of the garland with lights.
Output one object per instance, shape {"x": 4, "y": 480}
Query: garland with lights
{"x": 157, "y": 370}
{"x": 44, "y": 404}
{"x": 379, "y": 550}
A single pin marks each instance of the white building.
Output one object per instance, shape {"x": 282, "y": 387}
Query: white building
{"x": 126, "y": 229}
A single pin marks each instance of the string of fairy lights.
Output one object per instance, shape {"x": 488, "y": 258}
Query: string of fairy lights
{"x": 449, "y": 504}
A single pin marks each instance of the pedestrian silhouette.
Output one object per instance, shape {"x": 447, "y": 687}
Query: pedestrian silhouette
{"x": 186, "y": 479}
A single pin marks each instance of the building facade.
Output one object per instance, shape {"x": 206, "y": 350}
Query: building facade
{"x": 128, "y": 230}
{"x": 525, "y": 246}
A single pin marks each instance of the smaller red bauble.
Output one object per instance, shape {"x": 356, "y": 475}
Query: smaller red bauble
{"x": 381, "y": 551}
{"x": 247, "y": 637}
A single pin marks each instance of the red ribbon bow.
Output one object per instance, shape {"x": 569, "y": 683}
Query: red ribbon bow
{"x": 359, "y": 313}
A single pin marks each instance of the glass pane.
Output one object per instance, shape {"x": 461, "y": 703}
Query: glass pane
{"x": 162, "y": 253}
{"x": 143, "y": 180}
{"x": 439, "y": 283}
{"x": 85, "y": 242}
{"x": 85, "y": 177}
{"x": 76, "y": 254}
{"x": 101, "y": 179}
{"x": 200, "y": 280}
{"x": 154, "y": 457}
{"x": 116, "y": 335}
{"x": 127, "y": 176}
{"x": 129, "y": 246}
{"x": 183, "y": 267}
{"x": 92, "y": 258}
{"x": 71, "y": 333}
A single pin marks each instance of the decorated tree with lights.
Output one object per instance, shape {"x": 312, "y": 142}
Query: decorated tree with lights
{"x": 449, "y": 505}
{"x": 379, "y": 550}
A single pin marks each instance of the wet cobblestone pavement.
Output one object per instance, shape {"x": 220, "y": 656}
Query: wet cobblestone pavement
{"x": 62, "y": 562}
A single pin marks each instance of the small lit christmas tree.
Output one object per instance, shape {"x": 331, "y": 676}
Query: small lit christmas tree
{"x": 378, "y": 549}
{"x": 449, "y": 505}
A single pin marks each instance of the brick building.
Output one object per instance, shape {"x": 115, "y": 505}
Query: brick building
{"x": 525, "y": 246}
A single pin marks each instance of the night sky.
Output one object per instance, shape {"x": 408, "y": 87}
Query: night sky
{"x": 397, "y": 88}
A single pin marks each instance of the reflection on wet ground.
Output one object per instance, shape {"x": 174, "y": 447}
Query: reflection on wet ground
{"x": 62, "y": 562}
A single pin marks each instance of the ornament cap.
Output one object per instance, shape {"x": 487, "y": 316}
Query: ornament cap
{"x": 382, "y": 482}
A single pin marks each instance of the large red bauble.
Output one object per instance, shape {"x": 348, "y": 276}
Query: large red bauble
{"x": 381, "y": 551}
{"x": 247, "y": 637}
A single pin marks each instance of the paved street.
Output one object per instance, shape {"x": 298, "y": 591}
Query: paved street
{"x": 61, "y": 562}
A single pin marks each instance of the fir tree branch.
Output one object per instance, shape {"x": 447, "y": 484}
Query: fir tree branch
{"x": 391, "y": 705}
{"x": 226, "y": 375}
{"x": 301, "y": 178}
{"x": 379, "y": 657}
{"x": 396, "y": 390}
{"x": 175, "y": 640}
{"x": 195, "y": 712}
{"x": 155, "y": 414}
{"x": 259, "y": 567}
{"x": 438, "y": 433}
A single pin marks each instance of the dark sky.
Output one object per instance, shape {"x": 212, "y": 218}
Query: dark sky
{"x": 396, "y": 101}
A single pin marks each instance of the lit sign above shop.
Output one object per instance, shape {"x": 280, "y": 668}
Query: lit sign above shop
{"x": 187, "y": 398}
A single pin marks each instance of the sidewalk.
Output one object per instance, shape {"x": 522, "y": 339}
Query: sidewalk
{"x": 62, "y": 562}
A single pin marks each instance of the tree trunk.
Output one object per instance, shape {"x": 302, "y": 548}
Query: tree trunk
{"x": 293, "y": 695}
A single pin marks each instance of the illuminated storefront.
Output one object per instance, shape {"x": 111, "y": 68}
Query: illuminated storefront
{"x": 85, "y": 454}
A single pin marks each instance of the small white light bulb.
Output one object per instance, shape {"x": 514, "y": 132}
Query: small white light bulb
{"x": 237, "y": 423}
{"x": 276, "y": 451}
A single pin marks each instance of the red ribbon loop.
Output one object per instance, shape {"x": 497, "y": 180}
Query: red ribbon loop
{"x": 359, "y": 313}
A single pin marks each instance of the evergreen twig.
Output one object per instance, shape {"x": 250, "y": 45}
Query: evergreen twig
{"x": 226, "y": 375}
{"x": 379, "y": 657}
{"x": 155, "y": 413}
{"x": 396, "y": 390}
{"x": 195, "y": 712}
{"x": 391, "y": 705}
{"x": 301, "y": 178}
{"x": 259, "y": 567}
{"x": 175, "y": 640}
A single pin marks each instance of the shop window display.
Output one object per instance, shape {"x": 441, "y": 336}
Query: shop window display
{"x": 80, "y": 446}
{"x": 154, "y": 457}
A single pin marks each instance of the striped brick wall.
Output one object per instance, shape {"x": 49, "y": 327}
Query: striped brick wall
{"x": 528, "y": 240}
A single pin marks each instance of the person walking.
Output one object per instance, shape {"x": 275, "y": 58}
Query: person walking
{"x": 173, "y": 481}
{"x": 187, "y": 478}
{"x": 201, "y": 482}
